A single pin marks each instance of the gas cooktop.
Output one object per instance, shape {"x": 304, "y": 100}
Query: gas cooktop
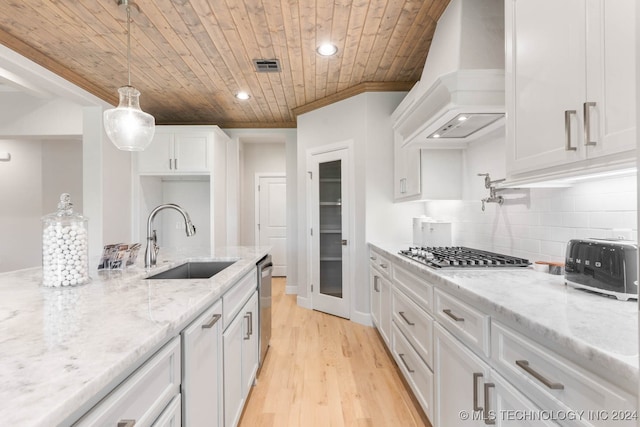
{"x": 461, "y": 257}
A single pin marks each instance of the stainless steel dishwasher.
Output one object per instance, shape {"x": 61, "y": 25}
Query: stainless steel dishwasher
{"x": 265, "y": 269}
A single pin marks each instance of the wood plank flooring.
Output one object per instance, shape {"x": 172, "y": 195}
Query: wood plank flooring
{"x": 322, "y": 371}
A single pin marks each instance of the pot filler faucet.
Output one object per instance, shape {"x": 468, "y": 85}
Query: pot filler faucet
{"x": 151, "y": 253}
{"x": 491, "y": 185}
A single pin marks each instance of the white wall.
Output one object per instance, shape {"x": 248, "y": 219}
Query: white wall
{"x": 289, "y": 138}
{"x": 30, "y": 187}
{"x": 365, "y": 120}
{"x": 535, "y": 223}
{"x": 256, "y": 158}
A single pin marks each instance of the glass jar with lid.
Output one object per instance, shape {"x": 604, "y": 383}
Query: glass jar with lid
{"x": 65, "y": 246}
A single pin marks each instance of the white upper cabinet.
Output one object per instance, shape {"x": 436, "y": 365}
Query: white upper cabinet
{"x": 176, "y": 150}
{"x": 570, "y": 83}
{"x": 406, "y": 171}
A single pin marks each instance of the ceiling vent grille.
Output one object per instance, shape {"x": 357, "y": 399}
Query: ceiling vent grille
{"x": 267, "y": 65}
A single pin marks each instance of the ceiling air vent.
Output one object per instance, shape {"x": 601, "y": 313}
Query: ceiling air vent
{"x": 267, "y": 65}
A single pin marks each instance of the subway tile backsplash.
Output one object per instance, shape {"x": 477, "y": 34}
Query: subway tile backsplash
{"x": 536, "y": 223}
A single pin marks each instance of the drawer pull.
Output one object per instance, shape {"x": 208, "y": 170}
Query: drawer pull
{"x": 488, "y": 419}
{"x": 248, "y": 336}
{"x": 567, "y": 129}
{"x": 524, "y": 364}
{"x": 404, "y": 362}
{"x": 410, "y": 323}
{"x": 213, "y": 321}
{"x": 448, "y": 312}
{"x": 126, "y": 423}
{"x": 373, "y": 258}
{"x": 476, "y": 375}
{"x": 587, "y": 123}
{"x": 383, "y": 265}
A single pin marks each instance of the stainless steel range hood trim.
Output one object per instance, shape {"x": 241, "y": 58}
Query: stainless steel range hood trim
{"x": 460, "y": 92}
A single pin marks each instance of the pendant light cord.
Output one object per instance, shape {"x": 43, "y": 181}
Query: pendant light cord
{"x": 129, "y": 42}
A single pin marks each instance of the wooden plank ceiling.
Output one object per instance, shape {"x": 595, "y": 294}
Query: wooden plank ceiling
{"x": 189, "y": 57}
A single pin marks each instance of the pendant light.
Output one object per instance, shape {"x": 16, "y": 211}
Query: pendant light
{"x": 127, "y": 126}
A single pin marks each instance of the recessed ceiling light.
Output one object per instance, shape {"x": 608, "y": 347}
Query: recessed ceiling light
{"x": 462, "y": 118}
{"x": 243, "y": 95}
{"x": 435, "y": 135}
{"x": 327, "y": 49}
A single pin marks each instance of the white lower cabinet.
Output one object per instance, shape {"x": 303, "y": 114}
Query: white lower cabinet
{"x": 557, "y": 384}
{"x": 381, "y": 304}
{"x": 250, "y": 348}
{"x": 469, "y": 393}
{"x": 414, "y": 369}
{"x": 459, "y": 379}
{"x": 172, "y": 415}
{"x": 202, "y": 369}
{"x": 240, "y": 341}
{"x": 143, "y": 396}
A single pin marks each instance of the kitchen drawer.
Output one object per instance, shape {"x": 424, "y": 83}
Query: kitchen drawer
{"x": 144, "y": 395}
{"x": 234, "y": 298}
{"x": 415, "y": 323}
{"x": 554, "y": 382}
{"x": 172, "y": 416}
{"x": 415, "y": 371}
{"x": 380, "y": 262}
{"x": 465, "y": 322}
{"x": 418, "y": 289}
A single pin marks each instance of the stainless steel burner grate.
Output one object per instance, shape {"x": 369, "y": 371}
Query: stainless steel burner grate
{"x": 461, "y": 257}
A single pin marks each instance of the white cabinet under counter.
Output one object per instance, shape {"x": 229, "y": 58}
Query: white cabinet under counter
{"x": 511, "y": 347}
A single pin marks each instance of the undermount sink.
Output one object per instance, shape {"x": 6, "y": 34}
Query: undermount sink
{"x": 193, "y": 270}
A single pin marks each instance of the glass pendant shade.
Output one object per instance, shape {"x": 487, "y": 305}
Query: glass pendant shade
{"x": 127, "y": 126}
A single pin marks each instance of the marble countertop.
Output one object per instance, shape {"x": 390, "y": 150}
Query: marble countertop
{"x": 597, "y": 332}
{"x": 62, "y": 349}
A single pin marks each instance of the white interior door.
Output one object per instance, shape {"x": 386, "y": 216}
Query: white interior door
{"x": 329, "y": 214}
{"x": 271, "y": 219}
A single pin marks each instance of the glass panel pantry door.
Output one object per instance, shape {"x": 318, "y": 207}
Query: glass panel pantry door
{"x": 329, "y": 254}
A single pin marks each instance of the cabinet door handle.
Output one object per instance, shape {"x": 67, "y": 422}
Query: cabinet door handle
{"x": 587, "y": 123}
{"x": 126, "y": 423}
{"x": 449, "y": 313}
{"x": 175, "y": 164}
{"x": 248, "y": 336}
{"x": 214, "y": 319}
{"x": 170, "y": 167}
{"x": 404, "y": 362}
{"x": 376, "y": 287}
{"x": 489, "y": 418}
{"x": 251, "y": 323}
{"x": 567, "y": 130}
{"x": 524, "y": 364}
{"x": 410, "y": 323}
{"x": 476, "y": 375}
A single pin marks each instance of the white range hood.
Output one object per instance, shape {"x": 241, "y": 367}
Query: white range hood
{"x": 460, "y": 96}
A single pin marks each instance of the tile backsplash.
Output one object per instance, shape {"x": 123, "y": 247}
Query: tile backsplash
{"x": 536, "y": 223}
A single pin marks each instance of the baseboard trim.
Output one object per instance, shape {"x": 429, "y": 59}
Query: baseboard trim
{"x": 362, "y": 318}
{"x": 291, "y": 289}
{"x": 304, "y": 302}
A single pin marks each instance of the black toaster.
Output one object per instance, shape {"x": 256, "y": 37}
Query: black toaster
{"x": 605, "y": 266}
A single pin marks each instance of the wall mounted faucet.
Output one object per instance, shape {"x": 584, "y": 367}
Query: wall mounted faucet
{"x": 493, "y": 197}
{"x": 151, "y": 253}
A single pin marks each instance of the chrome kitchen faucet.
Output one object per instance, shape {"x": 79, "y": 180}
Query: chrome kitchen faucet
{"x": 151, "y": 253}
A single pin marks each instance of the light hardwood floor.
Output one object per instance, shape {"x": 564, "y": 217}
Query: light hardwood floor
{"x": 322, "y": 370}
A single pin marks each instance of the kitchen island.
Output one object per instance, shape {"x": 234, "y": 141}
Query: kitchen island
{"x": 63, "y": 349}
